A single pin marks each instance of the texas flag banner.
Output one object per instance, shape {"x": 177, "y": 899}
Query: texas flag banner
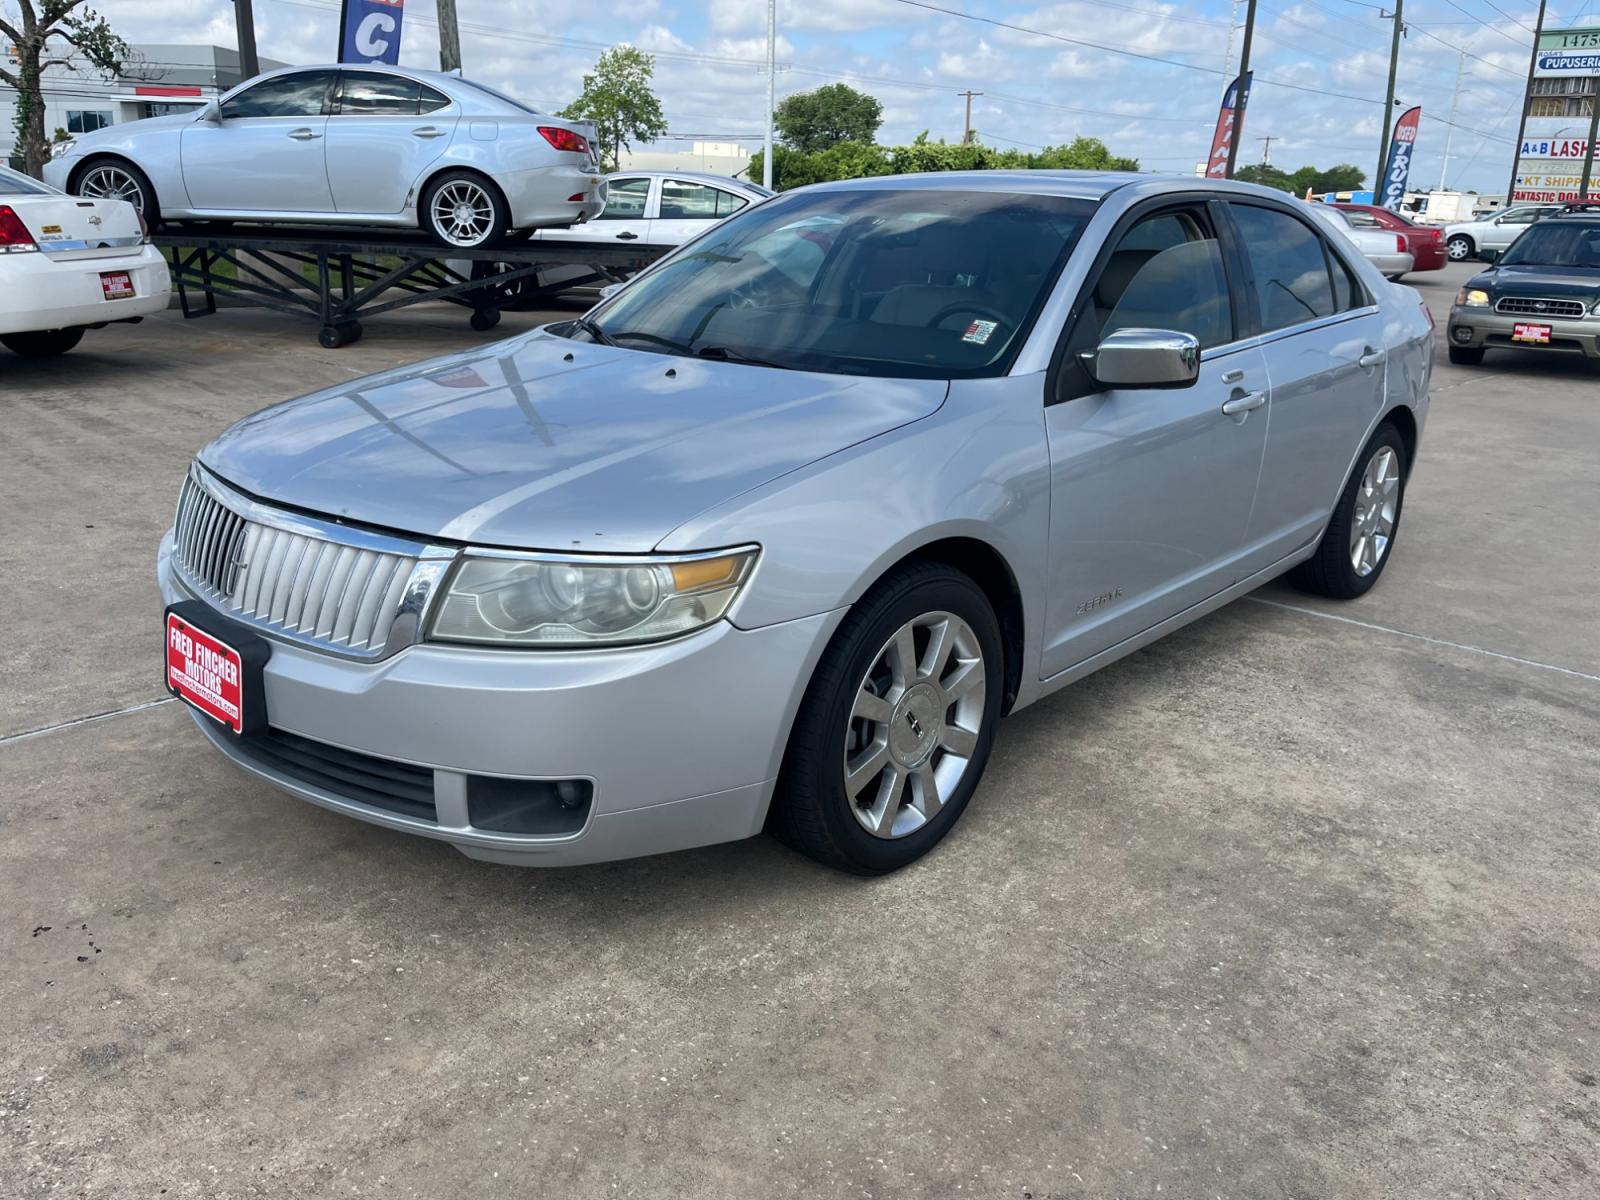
{"x": 1230, "y": 120}
{"x": 369, "y": 31}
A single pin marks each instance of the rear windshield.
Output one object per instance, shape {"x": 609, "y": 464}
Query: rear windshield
{"x": 1557, "y": 244}
{"x": 916, "y": 283}
{"x": 14, "y": 183}
{"x": 500, "y": 96}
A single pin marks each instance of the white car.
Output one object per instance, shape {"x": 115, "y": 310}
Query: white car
{"x": 1383, "y": 248}
{"x": 68, "y": 265}
{"x": 1468, "y": 239}
{"x": 367, "y": 146}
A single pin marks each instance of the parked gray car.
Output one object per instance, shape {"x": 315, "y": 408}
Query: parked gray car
{"x": 775, "y": 535}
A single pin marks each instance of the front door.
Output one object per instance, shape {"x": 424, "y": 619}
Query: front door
{"x": 1151, "y": 488}
{"x": 385, "y": 131}
{"x": 265, "y": 153}
{"x": 1322, "y": 335}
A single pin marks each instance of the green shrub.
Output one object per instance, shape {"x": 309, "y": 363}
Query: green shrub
{"x": 856, "y": 160}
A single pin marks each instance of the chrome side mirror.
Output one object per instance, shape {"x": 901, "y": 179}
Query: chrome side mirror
{"x": 1152, "y": 358}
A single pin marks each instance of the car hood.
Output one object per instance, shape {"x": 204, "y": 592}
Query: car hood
{"x": 540, "y": 442}
{"x": 1577, "y": 283}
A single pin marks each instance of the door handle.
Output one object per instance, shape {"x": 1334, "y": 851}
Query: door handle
{"x": 626, "y": 236}
{"x": 303, "y": 135}
{"x": 1371, "y": 358}
{"x": 1245, "y": 403}
{"x": 428, "y": 131}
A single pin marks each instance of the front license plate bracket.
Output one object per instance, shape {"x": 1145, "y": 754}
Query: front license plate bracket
{"x": 252, "y": 649}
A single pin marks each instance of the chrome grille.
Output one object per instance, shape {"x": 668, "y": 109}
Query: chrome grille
{"x": 341, "y": 596}
{"x": 1535, "y": 306}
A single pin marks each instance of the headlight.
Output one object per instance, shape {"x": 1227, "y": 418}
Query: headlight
{"x": 551, "y": 601}
{"x": 1472, "y": 298}
{"x": 63, "y": 149}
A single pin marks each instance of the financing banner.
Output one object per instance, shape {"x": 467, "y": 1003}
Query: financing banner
{"x": 1230, "y": 120}
{"x": 369, "y": 31}
{"x": 1397, "y": 171}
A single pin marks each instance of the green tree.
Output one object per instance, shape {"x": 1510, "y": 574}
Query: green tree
{"x": 1266, "y": 175}
{"x": 1345, "y": 177}
{"x": 853, "y": 160}
{"x": 618, "y": 99}
{"x": 52, "y": 33}
{"x": 815, "y": 121}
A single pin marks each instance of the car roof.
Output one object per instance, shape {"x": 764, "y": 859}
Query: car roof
{"x": 693, "y": 176}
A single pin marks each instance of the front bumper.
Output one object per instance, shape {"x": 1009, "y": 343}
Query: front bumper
{"x": 1475, "y": 328}
{"x": 54, "y": 293}
{"x": 680, "y": 741}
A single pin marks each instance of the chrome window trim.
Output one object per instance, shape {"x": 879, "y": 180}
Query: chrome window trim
{"x": 1338, "y": 318}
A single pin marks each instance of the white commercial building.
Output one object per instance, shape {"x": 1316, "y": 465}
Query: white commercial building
{"x": 155, "y": 80}
{"x": 717, "y": 158}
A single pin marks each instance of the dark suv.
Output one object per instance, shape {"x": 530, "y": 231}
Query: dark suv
{"x": 1541, "y": 294}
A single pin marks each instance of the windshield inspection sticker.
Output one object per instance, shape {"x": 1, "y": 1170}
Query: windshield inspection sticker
{"x": 979, "y": 332}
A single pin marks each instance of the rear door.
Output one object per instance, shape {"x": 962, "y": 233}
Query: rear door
{"x": 1151, "y": 489}
{"x": 625, "y": 218}
{"x": 265, "y": 154}
{"x": 1322, "y": 336}
{"x": 384, "y": 133}
{"x": 687, "y": 206}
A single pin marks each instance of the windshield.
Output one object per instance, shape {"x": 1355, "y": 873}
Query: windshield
{"x": 1556, "y": 244}
{"x": 915, "y": 283}
{"x": 14, "y": 183}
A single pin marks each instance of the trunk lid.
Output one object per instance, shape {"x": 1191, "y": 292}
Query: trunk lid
{"x": 73, "y": 228}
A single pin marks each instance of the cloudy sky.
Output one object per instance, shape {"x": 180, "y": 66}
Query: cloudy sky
{"x": 1038, "y": 89}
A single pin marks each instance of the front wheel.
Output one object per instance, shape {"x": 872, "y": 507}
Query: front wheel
{"x": 1459, "y": 248}
{"x": 465, "y": 210}
{"x": 896, "y": 728}
{"x": 1356, "y": 546}
{"x": 42, "y": 343}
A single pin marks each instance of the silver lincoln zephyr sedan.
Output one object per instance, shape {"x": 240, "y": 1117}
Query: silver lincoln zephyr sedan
{"x": 774, "y": 536}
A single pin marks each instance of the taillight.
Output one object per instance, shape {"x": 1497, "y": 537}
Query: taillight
{"x": 14, "y": 235}
{"x": 565, "y": 139}
{"x": 144, "y": 226}
{"x": 1400, "y": 242}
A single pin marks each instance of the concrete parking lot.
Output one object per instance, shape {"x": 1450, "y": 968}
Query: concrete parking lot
{"x": 1299, "y": 902}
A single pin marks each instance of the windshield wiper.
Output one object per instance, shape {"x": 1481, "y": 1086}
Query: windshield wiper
{"x": 655, "y": 339}
{"x": 594, "y": 331}
{"x": 723, "y": 354}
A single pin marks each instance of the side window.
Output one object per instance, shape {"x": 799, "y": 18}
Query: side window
{"x": 696, "y": 201}
{"x": 1166, "y": 273}
{"x": 432, "y": 101}
{"x": 1520, "y": 217}
{"x": 1348, "y": 291}
{"x": 1293, "y": 284}
{"x": 367, "y": 93}
{"x": 303, "y": 94}
{"x": 1363, "y": 220}
{"x": 625, "y": 200}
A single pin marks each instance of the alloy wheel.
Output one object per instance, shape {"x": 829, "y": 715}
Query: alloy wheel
{"x": 110, "y": 182}
{"x": 462, "y": 213}
{"x": 1377, "y": 505}
{"x": 914, "y": 725}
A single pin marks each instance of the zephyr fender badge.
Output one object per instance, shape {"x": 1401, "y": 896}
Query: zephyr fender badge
{"x": 1100, "y": 601}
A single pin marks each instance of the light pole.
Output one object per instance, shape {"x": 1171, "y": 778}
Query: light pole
{"x": 1388, "y": 109}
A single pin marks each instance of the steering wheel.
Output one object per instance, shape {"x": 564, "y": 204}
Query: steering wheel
{"x": 968, "y": 307}
{"x": 753, "y": 293}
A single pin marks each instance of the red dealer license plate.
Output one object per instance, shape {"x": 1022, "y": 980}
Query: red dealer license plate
{"x": 1537, "y": 334}
{"x": 208, "y": 673}
{"x": 117, "y": 285}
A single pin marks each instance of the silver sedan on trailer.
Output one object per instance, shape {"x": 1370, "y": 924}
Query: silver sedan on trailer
{"x": 348, "y": 145}
{"x": 774, "y": 536}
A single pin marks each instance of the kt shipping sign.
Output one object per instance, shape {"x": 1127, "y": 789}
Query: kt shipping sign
{"x": 369, "y": 31}
{"x": 1398, "y": 169}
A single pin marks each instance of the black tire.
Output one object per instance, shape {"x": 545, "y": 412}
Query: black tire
{"x": 811, "y": 812}
{"x": 1466, "y": 356}
{"x": 484, "y": 319}
{"x": 1330, "y": 571}
{"x": 43, "y": 343}
{"x": 148, "y": 203}
{"x": 494, "y": 228}
{"x": 1460, "y": 248}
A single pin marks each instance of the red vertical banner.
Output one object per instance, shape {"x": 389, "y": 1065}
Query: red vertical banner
{"x": 1230, "y": 123}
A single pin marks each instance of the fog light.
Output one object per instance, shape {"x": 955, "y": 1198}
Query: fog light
{"x": 531, "y": 807}
{"x": 1462, "y": 333}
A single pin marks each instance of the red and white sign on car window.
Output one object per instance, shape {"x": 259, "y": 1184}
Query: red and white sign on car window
{"x": 207, "y": 673}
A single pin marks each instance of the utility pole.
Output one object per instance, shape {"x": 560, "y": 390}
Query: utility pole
{"x": 449, "y": 37}
{"x": 1522, "y": 125}
{"x": 1594, "y": 131}
{"x": 245, "y": 21}
{"x": 1266, "y": 150}
{"x": 1450, "y": 129}
{"x": 1238, "y": 93}
{"x": 966, "y": 137}
{"x": 1398, "y": 16}
{"x": 1233, "y": 28}
{"x": 772, "y": 90}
